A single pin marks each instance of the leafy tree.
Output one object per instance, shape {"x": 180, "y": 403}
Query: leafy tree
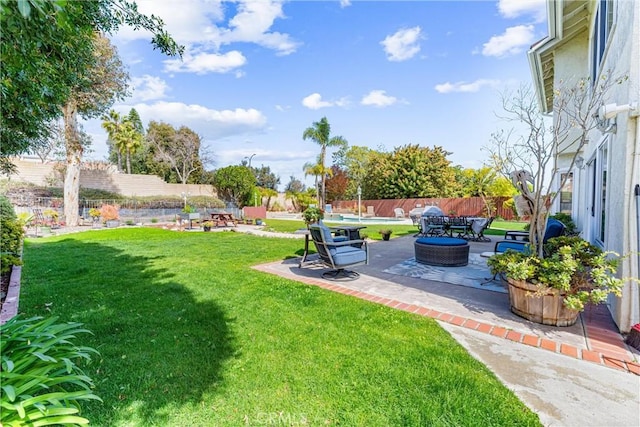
{"x": 337, "y": 184}
{"x": 265, "y": 178}
{"x": 129, "y": 141}
{"x": 502, "y": 187}
{"x": 47, "y": 51}
{"x": 320, "y": 133}
{"x": 269, "y": 193}
{"x": 235, "y": 184}
{"x": 294, "y": 185}
{"x": 530, "y": 158}
{"x": 105, "y": 82}
{"x": 414, "y": 171}
{"x": 179, "y": 149}
{"x": 356, "y": 161}
{"x": 134, "y": 118}
{"x": 316, "y": 170}
{"x": 293, "y": 190}
{"x": 49, "y": 144}
{"x": 112, "y": 123}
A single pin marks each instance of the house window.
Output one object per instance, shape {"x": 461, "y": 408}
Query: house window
{"x": 598, "y": 199}
{"x": 602, "y": 29}
{"x": 566, "y": 193}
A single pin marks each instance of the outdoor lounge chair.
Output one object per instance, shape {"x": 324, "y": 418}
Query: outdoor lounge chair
{"x": 554, "y": 228}
{"x": 398, "y": 212}
{"x": 338, "y": 255}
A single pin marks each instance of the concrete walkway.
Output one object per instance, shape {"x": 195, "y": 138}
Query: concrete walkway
{"x": 583, "y": 375}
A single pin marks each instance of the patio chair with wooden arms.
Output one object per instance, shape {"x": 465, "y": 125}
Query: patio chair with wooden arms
{"x": 433, "y": 226}
{"x": 338, "y": 255}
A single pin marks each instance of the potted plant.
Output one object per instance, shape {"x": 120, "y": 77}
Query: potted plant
{"x": 385, "y": 233}
{"x": 52, "y": 217}
{"x": 207, "y": 225}
{"x": 189, "y": 213}
{"x": 259, "y": 221}
{"x": 95, "y": 216}
{"x": 553, "y": 290}
{"x": 110, "y": 215}
{"x": 312, "y": 215}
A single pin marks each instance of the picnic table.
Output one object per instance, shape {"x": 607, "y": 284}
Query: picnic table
{"x": 223, "y": 219}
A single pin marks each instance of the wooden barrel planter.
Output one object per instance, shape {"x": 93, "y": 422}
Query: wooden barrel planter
{"x": 548, "y": 308}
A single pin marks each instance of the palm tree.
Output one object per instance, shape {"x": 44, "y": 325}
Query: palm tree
{"x": 314, "y": 169}
{"x": 112, "y": 123}
{"x": 129, "y": 140}
{"x": 320, "y": 133}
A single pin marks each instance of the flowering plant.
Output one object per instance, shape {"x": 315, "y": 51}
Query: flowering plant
{"x": 94, "y": 213}
{"x": 110, "y": 212}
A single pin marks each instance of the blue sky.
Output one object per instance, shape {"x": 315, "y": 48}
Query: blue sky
{"x": 255, "y": 74}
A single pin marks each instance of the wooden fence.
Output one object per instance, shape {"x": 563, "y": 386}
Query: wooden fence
{"x": 464, "y": 206}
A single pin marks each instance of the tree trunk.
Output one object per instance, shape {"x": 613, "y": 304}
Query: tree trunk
{"x": 74, "y": 159}
{"x": 128, "y": 162}
{"x": 119, "y": 161}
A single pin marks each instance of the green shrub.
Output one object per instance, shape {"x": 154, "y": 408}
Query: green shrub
{"x": 311, "y": 215}
{"x": 41, "y": 382}
{"x": 11, "y": 235}
{"x": 6, "y": 209}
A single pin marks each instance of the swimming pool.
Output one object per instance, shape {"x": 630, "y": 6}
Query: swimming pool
{"x": 351, "y": 218}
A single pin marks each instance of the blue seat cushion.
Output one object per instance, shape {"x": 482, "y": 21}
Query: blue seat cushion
{"x": 326, "y": 233}
{"x": 346, "y": 255}
{"x": 517, "y": 246}
{"x": 442, "y": 241}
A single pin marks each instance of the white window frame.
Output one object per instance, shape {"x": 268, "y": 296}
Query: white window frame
{"x": 598, "y": 177}
{"x": 603, "y": 28}
{"x": 558, "y": 203}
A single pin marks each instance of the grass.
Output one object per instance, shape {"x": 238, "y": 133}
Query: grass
{"x": 190, "y": 335}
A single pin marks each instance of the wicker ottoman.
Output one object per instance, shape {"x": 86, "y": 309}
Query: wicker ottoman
{"x": 443, "y": 251}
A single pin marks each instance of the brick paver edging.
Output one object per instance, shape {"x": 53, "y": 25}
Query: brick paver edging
{"x": 622, "y": 364}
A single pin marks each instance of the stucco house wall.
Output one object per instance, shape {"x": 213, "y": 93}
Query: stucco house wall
{"x": 571, "y": 54}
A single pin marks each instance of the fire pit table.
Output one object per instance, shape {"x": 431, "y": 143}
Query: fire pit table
{"x": 442, "y": 251}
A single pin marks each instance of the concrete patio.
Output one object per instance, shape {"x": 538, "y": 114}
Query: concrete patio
{"x": 578, "y": 375}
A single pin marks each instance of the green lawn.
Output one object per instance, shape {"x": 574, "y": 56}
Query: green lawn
{"x": 189, "y": 335}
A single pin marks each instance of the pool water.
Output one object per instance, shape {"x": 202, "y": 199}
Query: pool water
{"x": 369, "y": 219}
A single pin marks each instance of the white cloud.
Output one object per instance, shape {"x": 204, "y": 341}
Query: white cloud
{"x": 512, "y": 42}
{"x": 403, "y": 44}
{"x": 203, "y": 63}
{"x": 345, "y": 3}
{"x": 148, "y": 88}
{"x": 211, "y": 124}
{"x": 315, "y": 102}
{"x": 517, "y": 8}
{"x": 252, "y": 24}
{"x": 190, "y": 22}
{"x": 198, "y": 24}
{"x": 378, "y": 98}
{"x": 466, "y": 87}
